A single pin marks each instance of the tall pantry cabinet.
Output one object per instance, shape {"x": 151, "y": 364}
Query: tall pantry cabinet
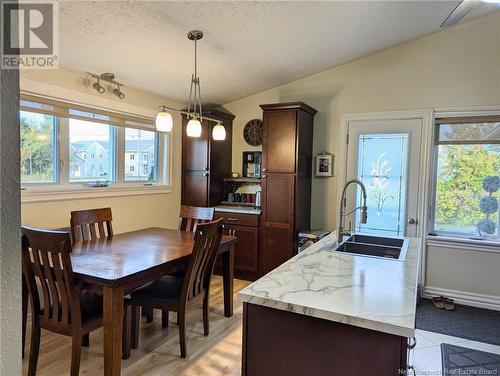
{"x": 287, "y": 143}
{"x": 205, "y": 161}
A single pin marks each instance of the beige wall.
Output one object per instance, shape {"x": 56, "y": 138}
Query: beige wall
{"x": 131, "y": 212}
{"x": 458, "y": 67}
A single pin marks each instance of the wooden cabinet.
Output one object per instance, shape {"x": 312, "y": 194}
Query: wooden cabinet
{"x": 205, "y": 162}
{"x": 286, "y": 180}
{"x": 245, "y": 227}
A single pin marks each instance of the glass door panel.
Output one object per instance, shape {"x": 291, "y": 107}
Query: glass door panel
{"x": 382, "y": 167}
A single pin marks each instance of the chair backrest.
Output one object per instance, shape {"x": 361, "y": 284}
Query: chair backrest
{"x": 49, "y": 275}
{"x": 192, "y": 216}
{"x": 201, "y": 263}
{"x": 83, "y": 224}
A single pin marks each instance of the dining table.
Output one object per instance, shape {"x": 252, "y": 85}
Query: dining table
{"x": 124, "y": 262}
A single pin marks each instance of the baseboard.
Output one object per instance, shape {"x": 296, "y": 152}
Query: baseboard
{"x": 465, "y": 298}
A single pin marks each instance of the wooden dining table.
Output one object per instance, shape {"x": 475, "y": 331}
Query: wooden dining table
{"x": 122, "y": 263}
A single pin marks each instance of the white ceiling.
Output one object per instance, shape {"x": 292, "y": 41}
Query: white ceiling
{"x": 248, "y": 46}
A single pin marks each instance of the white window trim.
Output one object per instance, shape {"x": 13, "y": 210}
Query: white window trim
{"x": 443, "y": 238}
{"x": 463, "y": 244}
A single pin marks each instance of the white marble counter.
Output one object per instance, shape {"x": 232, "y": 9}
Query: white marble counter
{"x": 237, "y": 209}
{"x": 367, "y": 292}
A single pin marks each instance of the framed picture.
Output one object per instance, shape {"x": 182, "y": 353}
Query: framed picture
{"x": 324, "y": 164}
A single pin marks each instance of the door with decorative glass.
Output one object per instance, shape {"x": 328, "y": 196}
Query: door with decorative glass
{"x": 385, "y": 156}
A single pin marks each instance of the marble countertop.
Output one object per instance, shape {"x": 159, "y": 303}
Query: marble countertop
{"x": 237, "y": 209}
{"x": 367, "y": 292}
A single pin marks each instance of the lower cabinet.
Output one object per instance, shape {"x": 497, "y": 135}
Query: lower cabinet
{"x": 245, "y": 227}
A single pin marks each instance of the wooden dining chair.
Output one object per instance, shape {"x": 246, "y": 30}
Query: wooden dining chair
{"x": 66, "y": 309}
{"x": 191, "y": 216}
{"x": 171, "y": 293}
{"x": 189, "y": 219}
{"x": 83, "y": 224}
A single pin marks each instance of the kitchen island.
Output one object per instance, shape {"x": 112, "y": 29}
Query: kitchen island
{"x": 331, "y": 313}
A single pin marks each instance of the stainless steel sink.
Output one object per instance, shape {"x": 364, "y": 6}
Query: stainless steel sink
{"x": 375, "y": 246}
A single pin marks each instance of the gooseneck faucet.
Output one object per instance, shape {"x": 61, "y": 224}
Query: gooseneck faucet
{"x": 364, "y": 215}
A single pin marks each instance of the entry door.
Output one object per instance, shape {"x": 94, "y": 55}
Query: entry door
{"x": 385, "y": 156}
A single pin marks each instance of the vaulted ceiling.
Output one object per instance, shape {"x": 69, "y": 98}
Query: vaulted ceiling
{"x": 248, "y": 46}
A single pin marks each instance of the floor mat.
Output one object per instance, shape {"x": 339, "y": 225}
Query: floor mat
{"x": 462, "y": 361}
{"x": 476, "y": 324}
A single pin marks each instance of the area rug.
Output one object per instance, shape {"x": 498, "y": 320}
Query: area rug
{"x": 476, "y": 324}
{"x": 462, "y": 361}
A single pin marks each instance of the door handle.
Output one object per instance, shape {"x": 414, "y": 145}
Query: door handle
{"x": 205, "y": 174}
{"x": 413, "y": 221}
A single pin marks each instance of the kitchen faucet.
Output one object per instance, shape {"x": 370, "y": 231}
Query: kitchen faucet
{"x": 364, "y": 215}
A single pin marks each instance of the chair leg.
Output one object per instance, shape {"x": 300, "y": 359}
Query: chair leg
{"x": 86, "y": 340}
{"x": 149, "y": 314}
{"x": 164, "y": 318}
{"x": 76, "y": 352}
{"x": 127, "y": 331}
{"x": 136, "y": 315}
{"x": 205, "y": 314}
{"x": 182, "y": 332}
{"x": 34, "y": 348}
{"x": 24, "y": 293}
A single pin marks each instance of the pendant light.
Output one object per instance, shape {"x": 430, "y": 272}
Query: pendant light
{"x": 219, "y": 132}
{"x": 194, "y": 113}
{"x": 164, "y": 121}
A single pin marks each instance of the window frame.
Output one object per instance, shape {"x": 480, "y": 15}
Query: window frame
{"x": 140, "y": 161}
{"x": 62, "y": 188}
{"x": 433, "y": 178}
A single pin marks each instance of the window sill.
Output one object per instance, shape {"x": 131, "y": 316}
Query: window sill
{"x": 463, "y": 244}
{"x": 37, "y": 195}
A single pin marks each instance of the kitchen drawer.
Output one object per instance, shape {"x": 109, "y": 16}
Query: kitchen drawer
{"x": 238, "y": 219}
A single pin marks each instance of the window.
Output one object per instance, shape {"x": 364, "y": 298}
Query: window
{"x": 467, "y": 178}
{"x": 70, "y": 146}
{"x": 145, "y": 143}
{"x": 88, "y": 137}
{"x": 38, "y": 148}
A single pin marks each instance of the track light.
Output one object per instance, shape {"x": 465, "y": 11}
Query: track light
{"x": 98, "y": 87}
{"x": 107, "y": 77}
{"x": 118, "y": 92}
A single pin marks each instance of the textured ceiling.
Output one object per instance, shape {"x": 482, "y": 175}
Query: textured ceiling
{"x": 248, "y": 46}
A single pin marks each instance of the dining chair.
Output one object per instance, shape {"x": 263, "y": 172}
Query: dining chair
{"x": 66, "y": 309}
{"x": 83, "y": 224}
{"x": 191, "y": 216}
{"x": 189, "y": 219}
{"x": 172, "y": 293}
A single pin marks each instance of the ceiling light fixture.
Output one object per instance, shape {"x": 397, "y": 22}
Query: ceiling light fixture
{"x": 194, "y": 113}
{"x": 108, "y": 77}
{"x": 98, "y": 87}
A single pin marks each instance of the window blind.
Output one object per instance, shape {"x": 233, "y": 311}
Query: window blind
{"x": 468, "y": 130}
{"x": 75, "y": 111}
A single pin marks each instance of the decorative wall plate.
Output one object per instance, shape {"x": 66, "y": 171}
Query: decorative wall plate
{"x": 252, "y": 133}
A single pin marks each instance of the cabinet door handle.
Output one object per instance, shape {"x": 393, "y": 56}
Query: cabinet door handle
{"x": 264, "y": 176}
{"x": 232, "y": 219}
{"x": 264, "y": 169}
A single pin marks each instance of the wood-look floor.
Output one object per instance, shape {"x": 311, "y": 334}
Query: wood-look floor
{"x": 158, "y": 352}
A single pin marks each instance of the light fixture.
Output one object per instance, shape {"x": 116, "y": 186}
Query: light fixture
{"x": 194, "y": 111}
{"x": 120, "y": 94}
{"x": 219, "y": 132}
{"x": 98, "y": 87}
{"x": 193, "y": 128}
{"x": 164, "y": 121}
{"x": 108, "y": 77}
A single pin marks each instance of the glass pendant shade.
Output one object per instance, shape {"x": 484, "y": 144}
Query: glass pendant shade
{"x": 219, "y": 132}
{"x": 164, "y": 122}
{"x": 193, "y": 128}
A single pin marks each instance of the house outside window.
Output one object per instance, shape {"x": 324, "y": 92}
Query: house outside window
{"x": 467, "y": 183}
